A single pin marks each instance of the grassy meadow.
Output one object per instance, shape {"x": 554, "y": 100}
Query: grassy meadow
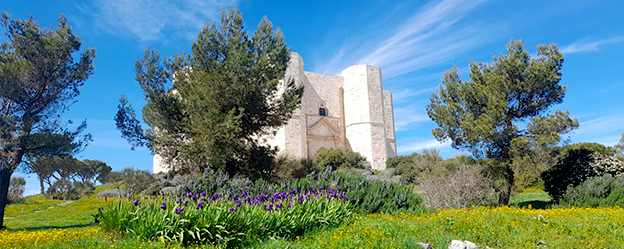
{"x": 56, "y": 224}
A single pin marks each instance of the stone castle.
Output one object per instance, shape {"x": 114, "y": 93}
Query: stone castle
{"x": 349, "y": 111}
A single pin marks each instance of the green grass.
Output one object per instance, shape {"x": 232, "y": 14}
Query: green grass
{"x": 37, "y": 212}
{"x": 506, "y": 227}
{"x": 539, "y": 200}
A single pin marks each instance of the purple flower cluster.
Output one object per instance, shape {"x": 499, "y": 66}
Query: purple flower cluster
{"x": 273, "y": 202}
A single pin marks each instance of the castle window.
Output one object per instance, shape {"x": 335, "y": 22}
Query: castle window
{"x": 322, "y": 111}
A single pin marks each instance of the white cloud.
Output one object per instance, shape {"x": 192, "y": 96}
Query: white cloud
{"x": 406, "y": 116}
{"x": 604, "y": 130}
{"x": 420, "y": 145}
{"x": 588, "y": 46}
{"x": 601, "y": 125}
{"x": 398, "y": 96}
{"x": 432, "y": 35}
{"x": 148, "y": 20}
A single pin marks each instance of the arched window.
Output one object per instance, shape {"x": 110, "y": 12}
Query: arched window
{"x": 322, "y": 111}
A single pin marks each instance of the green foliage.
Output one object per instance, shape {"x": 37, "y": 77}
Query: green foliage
{"x": 600, "y": 191}
{"x": 16, "y": 189}
{"x": 339, "y": 159}
{"x": 39, "y": 80}
{"x": 136, "y": 180}
{"x": 619, "y": 147}
{"x": 425, "y": 165}
{"x": 226, "y": 95}
{"x": 65, "y": 189}
{"x": 577, "y": 163}
{"x": 288, "y": 169}
{"x": 221, "y": 220}
{"x": 483, "y": 114}
{"x": 388, "y": 197}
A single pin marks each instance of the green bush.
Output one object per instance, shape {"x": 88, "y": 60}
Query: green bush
{"x": 577, "y": 164}
{"x": 339, "y": 159}
{"x": 17, "y": 185}
{"x": 387, "y": 198}
{"x": 416, "y": 165}
{"x": 65, "y": 189}
{"x": 598, "y": 191}
{"x": 288, "y": 169}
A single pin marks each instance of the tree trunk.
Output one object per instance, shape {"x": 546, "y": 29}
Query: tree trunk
{"x": 503, "y": 199}
{"x": 5, "y": 178}
{"x": 41, "y": 185}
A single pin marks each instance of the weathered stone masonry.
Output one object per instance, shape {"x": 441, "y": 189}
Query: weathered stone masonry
{"x": 358, "y": 115}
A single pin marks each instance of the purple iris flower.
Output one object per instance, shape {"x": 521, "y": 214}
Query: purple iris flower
{"x": 185, "y": 203}
{"x": 232, "y": 210}
{"x": 238, "y": 203}
{"x": 322, "y": 187}
{"x": 164, "y": 206}
{"x": 346, "y": 198}
{"x": 236, "y": 197}
{"x": 214, "y": 197}
{"x": 300, "y": 199}
{"x": 179, "y": 201}
{"x": 290, "y": 205}
{"x": 337, "y": 188}
{"x": 203, "y": 193}
{"x": 270, "y": 207}
{"x": 194, "y": 197}
{"x": 200, "y": 205}
{"x": 136, "y": 203}
{"x": 313, "y": 189}
{"x": 244, "y": 193}
{"x": 293, "y": 191}
{"x": 279, "y": 206}
{"x": 179, "y": 210}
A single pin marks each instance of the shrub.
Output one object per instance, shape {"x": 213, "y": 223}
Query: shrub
{"x": 339, "y": 159}
{"x": 65, "y": 189}
{"x": 136, "y": 180}
{"x": 112, "y": 193}
{"x": 460, "y": 188}
{"x": 576, "y": 166}
{"x": 229, "y": 220}
{"x": 416, "y": 165}
{"x": 387, "y": 197}
{"x": 168, "y": 182}
{"x": 17, "y": 185}
{"x": 288, "y": 169}
{"x": 598, "y": 191}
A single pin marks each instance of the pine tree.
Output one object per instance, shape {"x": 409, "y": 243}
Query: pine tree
{"x": 210, "y": 108}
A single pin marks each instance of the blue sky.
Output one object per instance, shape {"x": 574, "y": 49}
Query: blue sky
{"x": 413, "y": 42}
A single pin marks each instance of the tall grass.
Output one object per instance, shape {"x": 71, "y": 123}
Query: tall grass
{"x": 231, "y": 220}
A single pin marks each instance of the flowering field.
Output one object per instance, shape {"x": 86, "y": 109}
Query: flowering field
{"x": 503, "y": 227}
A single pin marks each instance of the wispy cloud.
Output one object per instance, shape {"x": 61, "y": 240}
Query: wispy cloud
{"x": 420, "y": 145}
{"x": 400, "y": 95}
{"x": 405, "y": 117}
{"x": 149, "y": 20}
{"x": 432, "y": 35}
{"x": 605, "y": 130}
{"x": 589, "y": 46}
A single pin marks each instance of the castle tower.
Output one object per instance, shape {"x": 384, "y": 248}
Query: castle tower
{"x": 364, "y": 113}
{"x": 291, "y": 139}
